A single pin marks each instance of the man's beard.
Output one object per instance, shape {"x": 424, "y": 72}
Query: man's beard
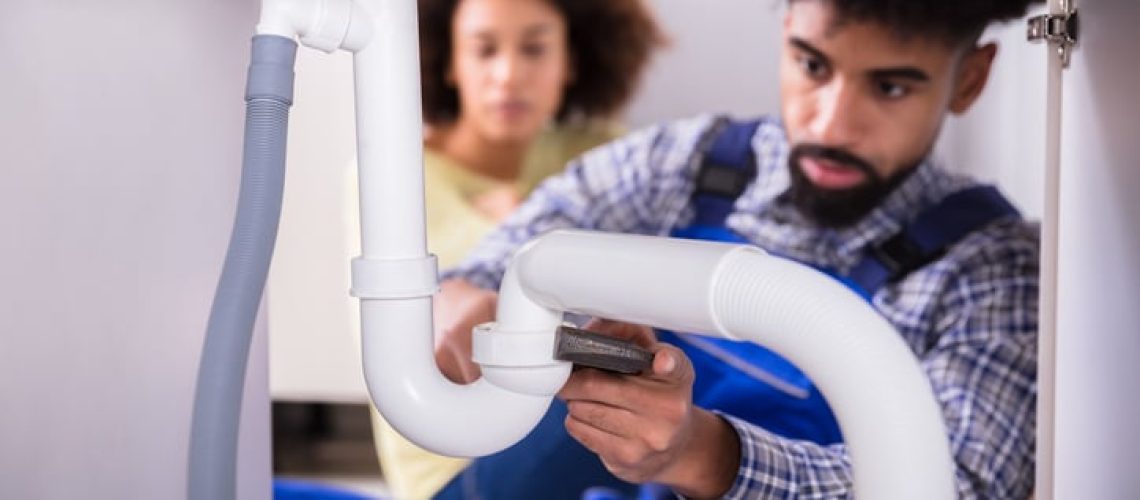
{"x": 837, "y": 208}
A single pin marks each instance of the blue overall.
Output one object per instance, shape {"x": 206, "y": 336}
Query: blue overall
{"x": 737, "y": 378}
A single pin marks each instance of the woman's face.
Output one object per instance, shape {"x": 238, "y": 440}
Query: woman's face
{"x": 510, "y": 64}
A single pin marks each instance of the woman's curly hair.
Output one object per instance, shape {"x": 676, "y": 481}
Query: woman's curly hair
{"x": 954, "y": 21}
{"x": 610, "y": 42}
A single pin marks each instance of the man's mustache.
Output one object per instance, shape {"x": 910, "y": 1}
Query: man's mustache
{"x": 835, "y": 155}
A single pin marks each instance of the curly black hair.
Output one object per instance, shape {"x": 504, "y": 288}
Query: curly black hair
{"x": 610, "y": 41}
{"x": 954, "y": 21}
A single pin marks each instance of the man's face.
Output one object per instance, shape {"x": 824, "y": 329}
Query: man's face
{"x": 862, "y": 107}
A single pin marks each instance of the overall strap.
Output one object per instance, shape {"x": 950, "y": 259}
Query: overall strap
{"x": 727, "y": 167}
{"x": 930, "y": 235}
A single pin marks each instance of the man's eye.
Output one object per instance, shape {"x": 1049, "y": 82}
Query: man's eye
{"x": 813, "y": 67}
{"x": 892, "y": 90}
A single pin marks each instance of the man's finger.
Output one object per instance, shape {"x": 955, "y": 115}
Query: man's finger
{"x": 616, "y": 421}
{"x": 671, "y": 365}
{"x": 585, "y": 383}
{"x": 615, "y": 452}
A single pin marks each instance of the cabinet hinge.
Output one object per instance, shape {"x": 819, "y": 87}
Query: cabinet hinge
{"x": 1058, "y": 29}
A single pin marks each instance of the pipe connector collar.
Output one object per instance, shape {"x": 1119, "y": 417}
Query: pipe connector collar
{"x": 394, "y": 278}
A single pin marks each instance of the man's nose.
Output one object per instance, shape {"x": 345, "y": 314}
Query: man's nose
{"x": 838, "y": 120}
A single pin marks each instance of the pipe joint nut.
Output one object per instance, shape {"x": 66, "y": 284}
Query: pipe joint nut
{"x": 521, "y": 362}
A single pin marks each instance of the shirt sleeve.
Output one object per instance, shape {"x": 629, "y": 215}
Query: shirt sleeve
{"x": 982, "y": 368}
{"x": 628, "y": 186}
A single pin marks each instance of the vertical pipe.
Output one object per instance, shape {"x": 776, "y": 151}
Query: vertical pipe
{"x": 389, "y": 131}
{"x": 395, "y": 278}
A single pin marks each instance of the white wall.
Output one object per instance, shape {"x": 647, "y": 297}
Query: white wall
{"x": 120, "y": 127}
{"x": 724, "y": 58}
{"x": 1002, "y": 138}
{"x": 1097, "y": 444}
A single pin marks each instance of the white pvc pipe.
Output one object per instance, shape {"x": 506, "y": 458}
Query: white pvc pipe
{"x": 285, "y": 18}
{"x": 885, "y": 407}
{"x": 389, "y": 134}
{"x": 321, "y": 24}
{"x": 395, "y": 277}
{"x": 458, "y": 420}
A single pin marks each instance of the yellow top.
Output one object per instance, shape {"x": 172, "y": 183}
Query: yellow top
{"x": 454, "y": 227}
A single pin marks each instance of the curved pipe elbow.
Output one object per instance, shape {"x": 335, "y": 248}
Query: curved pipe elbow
{"x": 520, "y": 376}
{"x": 422, "y": 405}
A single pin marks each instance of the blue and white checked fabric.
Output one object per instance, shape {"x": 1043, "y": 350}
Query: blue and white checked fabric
{"x": 970, "y": 317}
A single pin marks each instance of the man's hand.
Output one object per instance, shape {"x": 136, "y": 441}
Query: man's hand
{"x": 458, "y": 307}
{"x": 645, "y": 428}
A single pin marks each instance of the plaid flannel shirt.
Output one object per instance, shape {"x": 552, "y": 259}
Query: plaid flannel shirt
{"x": 970, "y": 316}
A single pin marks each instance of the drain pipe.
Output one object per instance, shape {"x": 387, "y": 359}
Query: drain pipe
{"x": 395, "y": 277}
{"x": 885, "y": 407}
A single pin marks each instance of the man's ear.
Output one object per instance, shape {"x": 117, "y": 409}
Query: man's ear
{"x": 973, "y": 72}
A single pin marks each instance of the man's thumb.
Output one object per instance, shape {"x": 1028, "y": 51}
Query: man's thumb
{"x": 664, "y": 363}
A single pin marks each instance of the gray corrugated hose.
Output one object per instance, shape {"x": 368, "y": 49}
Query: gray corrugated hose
{"x": 221, "y": 373}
